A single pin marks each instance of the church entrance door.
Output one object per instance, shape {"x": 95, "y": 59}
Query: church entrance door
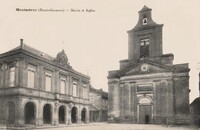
{"x": 145, "y": 114}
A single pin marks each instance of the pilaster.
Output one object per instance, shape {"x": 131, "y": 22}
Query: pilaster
{"x": 56, "y": 81}
{"x": 1, "y": 75}
{"x": 69, "y": 110}
{"x": 17, "y": 70}
{"x": 20, "y": 73}
{"x": 70, "y": 85}
{"x": 39, "y": 117}
{"x": 122, "y": 100}
{"x": 88, "y": 116}
{"x": 127, "y": 99}
{"x": 41, "y": 77}
{"x": 20, "y": 112}
{"x": 133, "y": 107}
{"x": 79, "y": 115}
{"x": 55, "y": 113}
{"x": 66, "y": 114}
{"x": 114, "y": 97}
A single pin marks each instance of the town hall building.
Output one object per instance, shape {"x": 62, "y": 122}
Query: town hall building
{"x": 38, "y": 89}
{"x": 148, "y": 88}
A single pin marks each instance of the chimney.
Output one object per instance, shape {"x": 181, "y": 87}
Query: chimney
{"x": 22, "y": 42}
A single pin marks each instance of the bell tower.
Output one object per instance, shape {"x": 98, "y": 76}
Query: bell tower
{"x": 145, "y": 39}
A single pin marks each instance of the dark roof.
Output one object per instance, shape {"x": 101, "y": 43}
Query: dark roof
{"x": 150, "y": 24}
{"x": 33, "y": 51}
{"x": 145, "y": 8}
{"x": 94, "y": 108}
{"x": 196, "y": 101}
{"x": 53, "y": 60}
{"x": 99, "y": 91}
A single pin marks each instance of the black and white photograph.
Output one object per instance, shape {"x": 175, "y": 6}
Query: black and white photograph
{"x": 99, "y": 65}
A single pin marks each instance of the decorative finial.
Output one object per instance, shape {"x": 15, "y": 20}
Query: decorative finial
{"x": 63, "y": 43}
{"x": 21, "y": 42}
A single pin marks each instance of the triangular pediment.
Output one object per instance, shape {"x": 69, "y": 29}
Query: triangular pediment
{"x": 146, "y": 68}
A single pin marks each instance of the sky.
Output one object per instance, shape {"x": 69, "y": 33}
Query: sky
{"x": 96, "y": 41}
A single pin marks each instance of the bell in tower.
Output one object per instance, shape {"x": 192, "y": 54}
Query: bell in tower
{"x": 145, "y": 39}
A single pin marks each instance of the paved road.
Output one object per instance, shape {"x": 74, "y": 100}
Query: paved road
{"x": 105, "y": 126}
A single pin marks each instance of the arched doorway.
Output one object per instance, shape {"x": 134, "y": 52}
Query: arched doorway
{"x": 145, "y": 110}
{"x": 74, "y": 115}
{"x": 61, "y": 115}
{"x": 11, "y": 112}
{"x": 83, "y": 115}
{"x": 29, "y": 113}
{"x": 47, "y": 115}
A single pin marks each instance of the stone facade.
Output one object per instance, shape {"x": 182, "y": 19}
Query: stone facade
{"x": 148, "y": 88}
{"x": 37, "y": 89}
{"x": 195, "y": 110}
{"x": 99, "y": 105}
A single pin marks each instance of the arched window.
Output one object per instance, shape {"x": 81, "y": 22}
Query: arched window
{"x": 83, "y": 115}
{"x": 61, "y": 115}
{"x": 144, "y": 21}
{"x": 144, "y": 100}
{"x": 29, "y": 112}
{"x": 74, "y": 115}
{"x": 47, "y": 114}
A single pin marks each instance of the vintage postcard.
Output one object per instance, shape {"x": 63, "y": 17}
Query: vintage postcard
{"x": 100, "y": 64}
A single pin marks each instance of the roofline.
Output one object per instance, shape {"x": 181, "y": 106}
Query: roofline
{"x": 195, "y": 100}
{"x": 100, "y": 91}
{"x": 145, "y": 8}
{"x": 22, "y": 51}
{"x": 144, "y": 27}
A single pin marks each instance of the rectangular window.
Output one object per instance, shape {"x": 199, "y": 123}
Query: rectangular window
{"x": 48, "y": 84}
{"x": 74, "y": 89}
{"x": 144, "y": 48}
{"x": 12, "y": 76}
{"x": 31, "y": 78}
{"x": 84, "y": 91}
{"x": 144, "y": 88}
{"x": 63, "y": 86}
{"x": 104, "y": 103}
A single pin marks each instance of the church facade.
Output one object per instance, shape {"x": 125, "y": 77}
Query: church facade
{"x": 148, "y": 88}
{"x": 37, "y": 89}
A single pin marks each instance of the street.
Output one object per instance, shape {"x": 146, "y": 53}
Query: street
{"x": 105, "y": 126}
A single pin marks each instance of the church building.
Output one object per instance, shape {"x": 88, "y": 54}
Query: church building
{"x": 148, "y": 88}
